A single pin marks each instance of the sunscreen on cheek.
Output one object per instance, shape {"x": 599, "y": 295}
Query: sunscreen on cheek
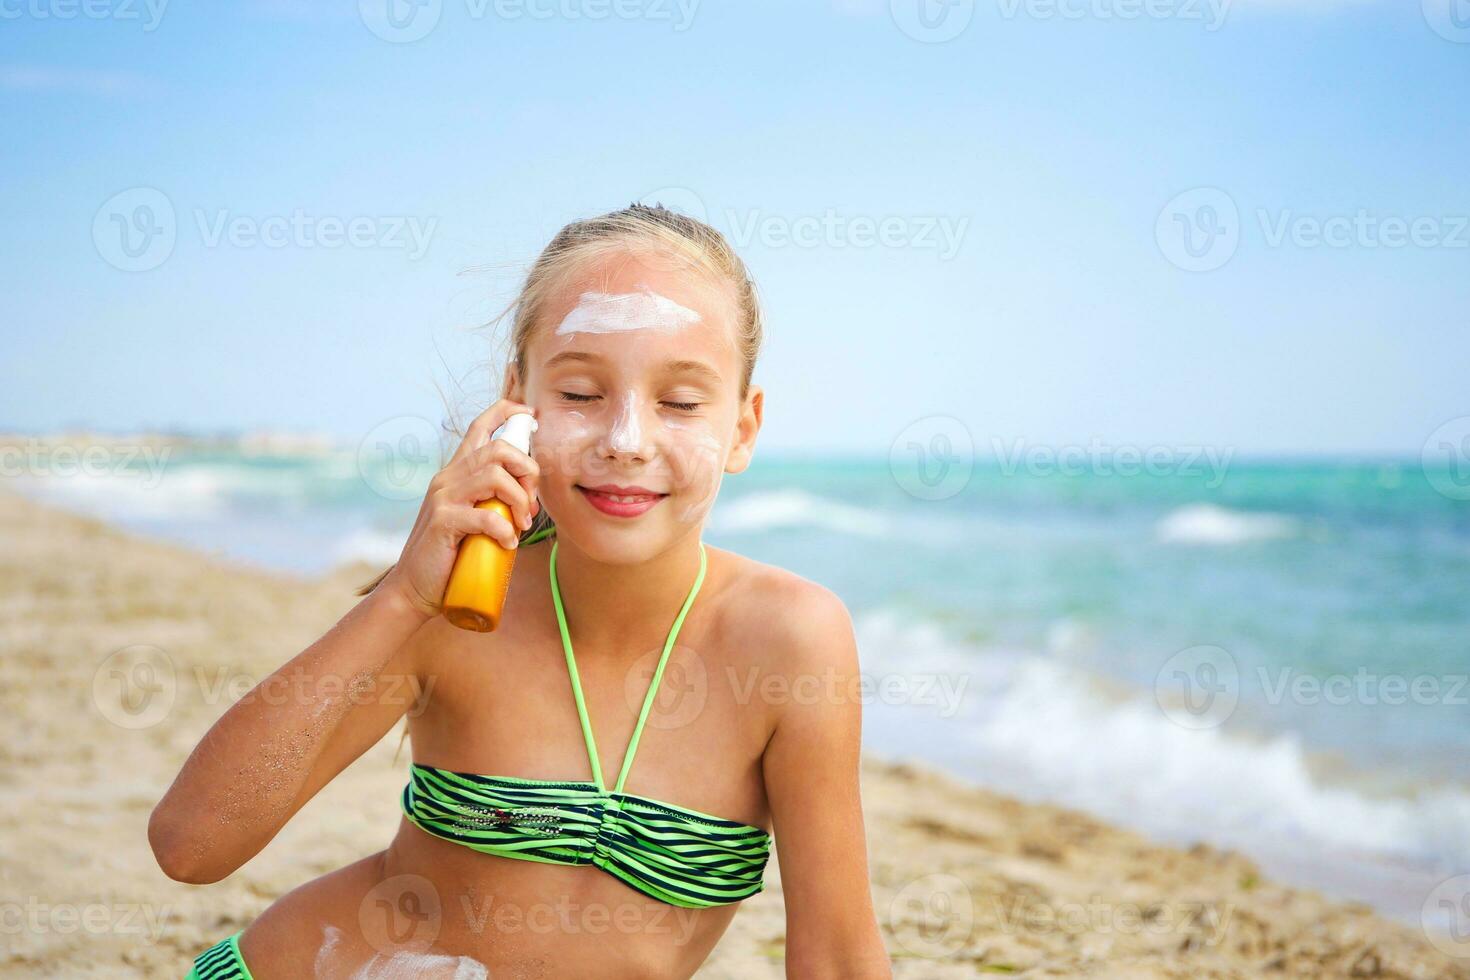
{"x": 475, "y": 595}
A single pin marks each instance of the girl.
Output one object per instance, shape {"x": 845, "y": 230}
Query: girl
{"x": 531, "y": 844}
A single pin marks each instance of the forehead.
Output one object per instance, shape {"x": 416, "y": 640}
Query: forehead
{"x": 669, "y": 282}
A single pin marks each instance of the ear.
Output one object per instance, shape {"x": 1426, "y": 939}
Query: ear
{"x": 746, "y": 428}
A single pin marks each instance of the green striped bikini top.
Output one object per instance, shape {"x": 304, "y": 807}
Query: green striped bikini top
{"x": 668, "y": 852}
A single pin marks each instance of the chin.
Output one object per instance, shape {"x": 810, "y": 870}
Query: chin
{"x": 616, "y": 540}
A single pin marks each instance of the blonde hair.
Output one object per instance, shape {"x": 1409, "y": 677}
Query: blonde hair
{"x": 638, "y": 229}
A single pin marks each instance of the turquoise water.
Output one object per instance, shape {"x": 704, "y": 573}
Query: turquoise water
{"x": 1051, "y": 605}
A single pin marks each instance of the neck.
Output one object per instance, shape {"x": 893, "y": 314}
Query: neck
{"x": 619, "y": 607}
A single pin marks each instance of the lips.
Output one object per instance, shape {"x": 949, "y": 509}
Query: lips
{"x": 620, "y": 501}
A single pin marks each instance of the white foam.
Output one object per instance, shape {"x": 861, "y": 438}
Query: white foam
{"x": 1208, "y": 524}
{"x": 773, "y": 509}
{"x": 1040, "y": 728}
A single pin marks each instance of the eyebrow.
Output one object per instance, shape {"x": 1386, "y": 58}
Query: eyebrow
{"x": 671, "y": 367}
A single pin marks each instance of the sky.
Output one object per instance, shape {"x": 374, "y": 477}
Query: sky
{"x": 1053, "y": 222}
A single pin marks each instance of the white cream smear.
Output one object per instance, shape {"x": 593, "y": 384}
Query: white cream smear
{"x": 615, "y": 312}
{"x": 331, "y": 939}
{"x": 416, "y": 966}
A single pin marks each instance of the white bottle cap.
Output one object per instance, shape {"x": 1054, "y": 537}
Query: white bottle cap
{"x": 517, "y": 430}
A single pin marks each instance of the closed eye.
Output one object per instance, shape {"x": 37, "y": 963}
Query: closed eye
{"x": 682, "y": 406}
{"x": 572, "y": 396}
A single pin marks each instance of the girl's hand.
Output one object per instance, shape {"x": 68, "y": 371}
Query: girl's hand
{"x": 479, "y": 470}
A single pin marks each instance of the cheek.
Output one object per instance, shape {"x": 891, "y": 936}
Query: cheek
{"x": 696, "y": 457}
{"x": 561, "y": 439}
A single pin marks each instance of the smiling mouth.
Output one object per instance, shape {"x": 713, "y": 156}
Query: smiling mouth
{"x": 618, "y": 501}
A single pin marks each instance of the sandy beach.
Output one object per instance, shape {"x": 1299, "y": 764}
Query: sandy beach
{"x": 966, "y": 882}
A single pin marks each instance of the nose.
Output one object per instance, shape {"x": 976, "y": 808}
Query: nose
{"x": 626, "y": 437}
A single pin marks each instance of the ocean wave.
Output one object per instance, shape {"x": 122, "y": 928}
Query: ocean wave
{"x": 1212, "y": 525}
{"x": 1037, "y": 727}
{"x": 770, "y": 510}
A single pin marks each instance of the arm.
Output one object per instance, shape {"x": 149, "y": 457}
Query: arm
{"x": 275, "y": 748}
{"x": 811, "y": 768}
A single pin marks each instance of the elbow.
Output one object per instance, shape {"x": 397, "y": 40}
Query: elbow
{"x": 179, "y": 855}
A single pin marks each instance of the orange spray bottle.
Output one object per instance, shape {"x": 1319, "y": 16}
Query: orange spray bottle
{"x": 481, "y": 574}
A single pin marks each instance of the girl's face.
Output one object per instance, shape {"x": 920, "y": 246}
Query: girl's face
{"x": 634, "y": 373}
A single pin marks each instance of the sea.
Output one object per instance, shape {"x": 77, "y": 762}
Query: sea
{"x": 1268, "y": 655}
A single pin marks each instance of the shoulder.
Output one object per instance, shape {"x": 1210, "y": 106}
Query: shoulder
{"x": 788, "y": 623}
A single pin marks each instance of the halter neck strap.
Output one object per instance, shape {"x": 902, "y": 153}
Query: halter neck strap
{"x": 658, "y": 673}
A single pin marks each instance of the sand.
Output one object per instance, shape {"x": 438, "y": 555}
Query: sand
{"x": 966, "y": 882}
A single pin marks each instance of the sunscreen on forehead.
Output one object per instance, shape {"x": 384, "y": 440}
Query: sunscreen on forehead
{"x": 475, "y": 595}
{"x": 614, "y": 312}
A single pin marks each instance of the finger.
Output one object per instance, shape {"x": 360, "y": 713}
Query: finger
{"x": 468, "y": 520}
{"x": 484, "y": 426}
{"x": 494, "y": 482}
{"x": 501, "y": 455}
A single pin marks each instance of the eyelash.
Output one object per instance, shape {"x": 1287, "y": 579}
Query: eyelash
{"x": 573, "y": 396}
